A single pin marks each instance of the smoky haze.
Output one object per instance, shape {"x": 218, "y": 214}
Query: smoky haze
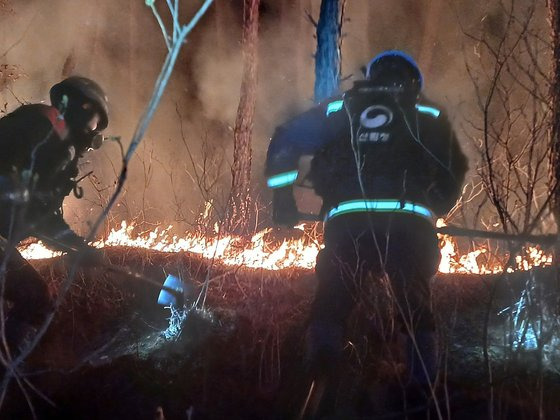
{"x": 119, "y": 44}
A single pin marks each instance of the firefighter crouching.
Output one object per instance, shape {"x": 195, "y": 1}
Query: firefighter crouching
{"x": 41, "y": 146}
{"x": 386, "y": 164}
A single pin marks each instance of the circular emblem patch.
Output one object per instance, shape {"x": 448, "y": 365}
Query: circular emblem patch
{"x": 376, "y": 116}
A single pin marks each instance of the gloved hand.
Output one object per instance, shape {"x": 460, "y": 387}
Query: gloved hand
{"x": 284, "y": 208}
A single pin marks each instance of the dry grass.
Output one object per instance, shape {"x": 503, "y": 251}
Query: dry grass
{"x": 256, "y": 345}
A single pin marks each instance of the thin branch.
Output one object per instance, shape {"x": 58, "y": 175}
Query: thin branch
{"x": 161, "y": 25}
{"x": 159, "y": 88}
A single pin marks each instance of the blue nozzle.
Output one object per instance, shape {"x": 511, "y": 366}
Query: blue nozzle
{"x": 172, "y": 282}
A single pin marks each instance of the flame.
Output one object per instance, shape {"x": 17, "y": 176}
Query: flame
{"x": 467, "y": 263}
{"x": 37, "y": 251}
{"x": 229, "y": 250}
{"x": 295, "y": 253}
{"x": 473, "y": 262}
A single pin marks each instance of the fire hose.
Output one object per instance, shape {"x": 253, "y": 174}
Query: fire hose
{"x": 126, "y": 271}
{"x": 78, "y": 190}
{"x": 544, "y": 240}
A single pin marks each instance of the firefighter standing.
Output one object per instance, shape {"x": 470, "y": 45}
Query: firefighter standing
{"x": 386, "y": 164}
{"x": 41, "y": 146}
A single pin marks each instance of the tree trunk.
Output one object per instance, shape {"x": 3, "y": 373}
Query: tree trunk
{"x": 131, "y": 56}
{"x": 327, "y": 57}
{"x": 554, "y": 16}
{"x": 222, "y": 18}
{"x": 429, "y": 34}
{"x": 240, "y": 202}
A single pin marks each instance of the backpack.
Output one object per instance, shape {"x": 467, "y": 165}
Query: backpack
{"x": 377, "y": 115}
{"x": 379, "y": 142}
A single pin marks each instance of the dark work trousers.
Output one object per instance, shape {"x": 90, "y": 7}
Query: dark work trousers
{"x": 360, "y": 247}
{"x": 28, "y": 295}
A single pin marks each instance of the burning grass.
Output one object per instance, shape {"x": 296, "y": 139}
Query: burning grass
{"x": 271, "y": 249}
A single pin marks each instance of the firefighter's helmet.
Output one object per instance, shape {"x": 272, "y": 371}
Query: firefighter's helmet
{"x": 394, "y": 68}
{"x": 80, "y": 90}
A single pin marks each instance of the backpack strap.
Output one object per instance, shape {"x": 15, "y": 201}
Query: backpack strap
{"x": 57, "y": 121}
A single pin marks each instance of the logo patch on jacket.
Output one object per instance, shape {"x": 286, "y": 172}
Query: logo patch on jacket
{"x": 376, "y": 114}
{"x": 373, "y": 120}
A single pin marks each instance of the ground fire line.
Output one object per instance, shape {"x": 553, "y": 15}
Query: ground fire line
{"x": 259, "y": 253}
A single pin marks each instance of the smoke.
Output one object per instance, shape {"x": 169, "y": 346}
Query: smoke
{"x": 120, "y": 45}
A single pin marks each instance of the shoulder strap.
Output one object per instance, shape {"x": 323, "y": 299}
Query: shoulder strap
{"x": 57, "y": 121}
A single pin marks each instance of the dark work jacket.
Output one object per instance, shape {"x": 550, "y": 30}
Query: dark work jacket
{"x": 422, "y": 162}
{"x": 38, "y": 164}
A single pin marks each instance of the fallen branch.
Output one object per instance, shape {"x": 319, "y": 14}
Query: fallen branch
{"x": 544, "y": 240}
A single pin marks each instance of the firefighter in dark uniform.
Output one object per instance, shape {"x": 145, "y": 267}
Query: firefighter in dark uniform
{"x": 41, "y": 146}
{"x": 386, "y": 164}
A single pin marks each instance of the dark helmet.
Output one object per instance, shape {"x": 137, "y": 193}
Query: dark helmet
{"x": 79, "y": 90}
{"x": 395, "y": 68}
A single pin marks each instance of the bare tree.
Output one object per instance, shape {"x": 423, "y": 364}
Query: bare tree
{"x": 513, "y": 129}
{"x": 243, "y": 131}
{"x": 554, "y": 20}
{"x": 512, "y": 123}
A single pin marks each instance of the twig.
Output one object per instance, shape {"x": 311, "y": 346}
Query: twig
{"x": 161, "y": 24}
{"x": 15, "y": 44}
